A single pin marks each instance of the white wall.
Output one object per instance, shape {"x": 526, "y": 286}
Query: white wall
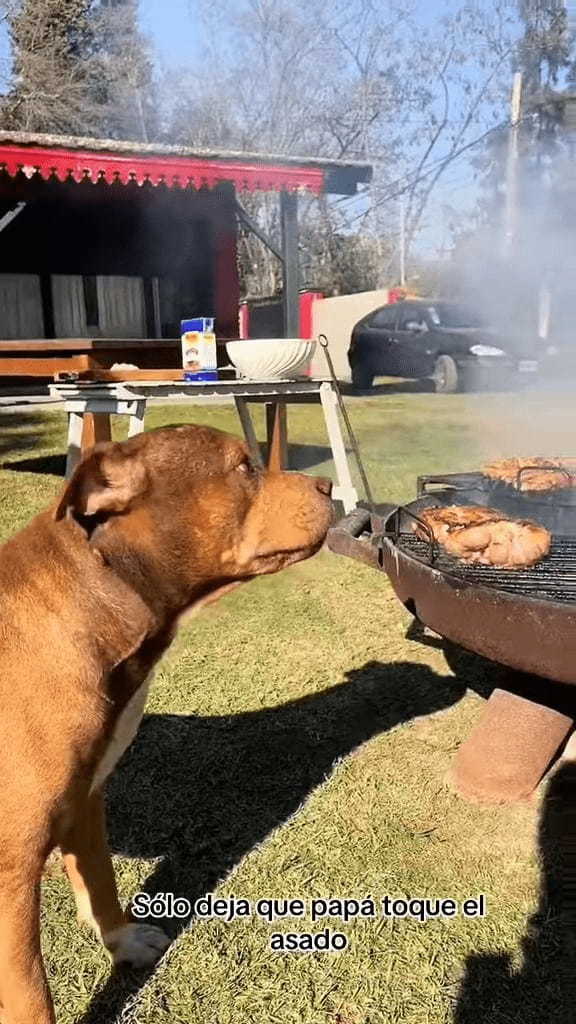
{"x": 335, "y": 318}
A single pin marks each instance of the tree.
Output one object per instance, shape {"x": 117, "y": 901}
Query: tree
{"x": 544, "y": 49}
{"x": 79, "y": 67}
{"x": 47, "y": 92}
{"x": 543, "y": 57}
{"x": 119, "y": 71}
{"x": 460, "y": 78}
{"x": 297, "y": 78}
{"x": 357, "y": 80}
{"x": 333, "y": 259}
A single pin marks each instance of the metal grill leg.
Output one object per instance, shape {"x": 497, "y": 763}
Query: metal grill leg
{"x": 345, "y": 491}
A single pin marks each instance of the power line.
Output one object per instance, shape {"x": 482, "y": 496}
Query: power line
{"x": 403, "y": 184}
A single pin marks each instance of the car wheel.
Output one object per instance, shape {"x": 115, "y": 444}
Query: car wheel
{"x": 445, "y": 376}
{"x": 362, "y": 378}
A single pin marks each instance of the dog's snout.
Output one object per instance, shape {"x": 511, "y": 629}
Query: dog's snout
{"x": 324, "y": 485}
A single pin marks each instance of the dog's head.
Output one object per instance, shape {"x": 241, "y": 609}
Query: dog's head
{"x": 188, "y": 503}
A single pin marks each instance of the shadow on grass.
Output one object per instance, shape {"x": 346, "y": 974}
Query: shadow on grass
{"x": 300, "y": 456}
{"x": 544, "y": 987}
{"x": 483, "y": 676}
{"x": 203, "y": 792}
{"x": 21, "y": 432}
{"x": 306, "y": 456}
{"x": 395, "y": 387}
{"x": 49, "y": 465}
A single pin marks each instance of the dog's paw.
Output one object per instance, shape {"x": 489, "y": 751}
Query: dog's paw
{"x": 139, "y": 945}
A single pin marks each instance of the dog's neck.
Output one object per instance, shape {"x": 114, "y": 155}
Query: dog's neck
{"x": 167, "y": 595}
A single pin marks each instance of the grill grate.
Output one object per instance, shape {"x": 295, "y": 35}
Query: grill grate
{"x": 552, "y": 579}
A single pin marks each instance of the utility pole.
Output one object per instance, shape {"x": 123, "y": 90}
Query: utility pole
{"x": 511, "y": 199}
{"x": 402, "y": 213}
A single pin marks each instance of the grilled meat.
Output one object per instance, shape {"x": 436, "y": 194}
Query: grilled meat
{"x": 538, "y": 474}
{"x": 486, "y": 536}
{"x": 443, "y": 518}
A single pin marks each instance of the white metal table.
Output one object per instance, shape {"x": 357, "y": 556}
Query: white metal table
{"x": 130, "y": 398}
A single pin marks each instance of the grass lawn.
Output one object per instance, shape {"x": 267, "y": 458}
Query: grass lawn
{"x": 296, "y": 745}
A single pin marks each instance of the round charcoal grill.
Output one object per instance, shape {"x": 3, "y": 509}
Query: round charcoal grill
{"x": 555, "y": 509}
{"x": 553, "y": 579}
{"x": 523, "y": 618}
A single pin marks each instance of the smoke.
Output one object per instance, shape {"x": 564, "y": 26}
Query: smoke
{"x": 518, "y": 286}
{"x": 525, "y": 289}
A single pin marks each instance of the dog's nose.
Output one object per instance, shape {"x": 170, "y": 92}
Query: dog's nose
{"x": 324, "y": 485}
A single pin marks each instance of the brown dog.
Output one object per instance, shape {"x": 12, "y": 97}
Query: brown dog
{"x": 91, "y": 593}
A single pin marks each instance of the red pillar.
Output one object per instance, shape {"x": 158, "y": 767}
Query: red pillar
{"x": 307, "y": 300}
{"x": 244, "y": 321}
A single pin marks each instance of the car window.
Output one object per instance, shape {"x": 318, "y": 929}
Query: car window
{"x": 450, "y": 314}
{"x": 385, "y": 317}
{"x": 411, "y": 315}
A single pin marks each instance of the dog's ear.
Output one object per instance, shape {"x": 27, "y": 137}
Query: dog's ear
{"x": 108, "y": 480}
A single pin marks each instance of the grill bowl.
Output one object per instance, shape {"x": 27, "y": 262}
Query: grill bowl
{"x": 522, "y": 618}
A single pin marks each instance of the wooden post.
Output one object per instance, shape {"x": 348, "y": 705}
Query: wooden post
{"x": 96, "y": 428}
{"x": 277, "y": 436}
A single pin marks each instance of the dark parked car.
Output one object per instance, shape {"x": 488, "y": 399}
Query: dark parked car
{"x": 442, "y": 341}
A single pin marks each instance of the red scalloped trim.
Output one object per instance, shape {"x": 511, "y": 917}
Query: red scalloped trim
{"x": 173, "y": 171}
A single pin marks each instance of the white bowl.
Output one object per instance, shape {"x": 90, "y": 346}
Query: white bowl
{"x": 270, "y": 358}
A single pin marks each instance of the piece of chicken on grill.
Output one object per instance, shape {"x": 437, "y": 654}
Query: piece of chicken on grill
{"x": 485, "y": 535}
{"x": 538, "y": 474}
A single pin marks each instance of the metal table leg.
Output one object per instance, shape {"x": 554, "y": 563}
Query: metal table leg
{"x": 248, "y": 429}
{"x": 345, "y": 491}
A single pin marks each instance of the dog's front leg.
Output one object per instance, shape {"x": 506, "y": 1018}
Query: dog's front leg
{"x": 24, "y": 994}
{"x": 89, "y": 867}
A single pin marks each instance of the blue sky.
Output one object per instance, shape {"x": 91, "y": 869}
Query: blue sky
{"x": 170, "y": 23}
